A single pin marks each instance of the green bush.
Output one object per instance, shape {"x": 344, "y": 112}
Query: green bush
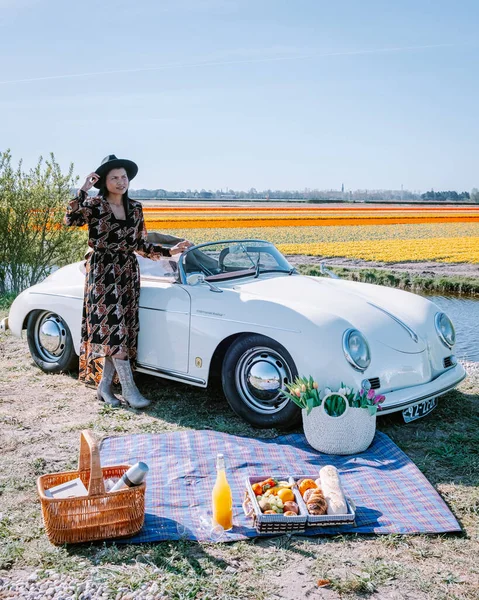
{"x": 6, "y": 300}
{"x": 33, "y": 236}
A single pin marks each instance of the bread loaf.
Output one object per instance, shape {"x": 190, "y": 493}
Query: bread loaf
{"x": 333, "y": 491}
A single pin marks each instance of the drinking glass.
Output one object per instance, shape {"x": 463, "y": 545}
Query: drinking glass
{"x": 214, "y": 532}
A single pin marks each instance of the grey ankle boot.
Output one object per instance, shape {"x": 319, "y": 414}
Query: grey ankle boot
{"x": 104, "y": 391}
{"x": 129, "y": 391}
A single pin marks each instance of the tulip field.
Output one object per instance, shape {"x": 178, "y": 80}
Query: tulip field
{"x": 386, "y": 234}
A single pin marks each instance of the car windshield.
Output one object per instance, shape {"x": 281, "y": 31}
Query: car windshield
{"x": 230, "y": 259}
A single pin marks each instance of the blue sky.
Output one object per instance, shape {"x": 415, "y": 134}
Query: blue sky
{"x": 247, "y": 93}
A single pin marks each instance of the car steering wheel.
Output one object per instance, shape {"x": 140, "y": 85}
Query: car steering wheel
{"x": 221, "y": 259}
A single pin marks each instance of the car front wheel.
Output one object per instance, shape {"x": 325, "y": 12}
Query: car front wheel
{"x": 50, "y": 342}
{"x": 255, "y": 370}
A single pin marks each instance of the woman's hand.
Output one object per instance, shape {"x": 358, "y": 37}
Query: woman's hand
{"x": 90, "y": 182}
{"x": 180, "y": 247}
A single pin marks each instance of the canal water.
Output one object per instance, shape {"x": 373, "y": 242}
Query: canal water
{"x": 464, "y": 313}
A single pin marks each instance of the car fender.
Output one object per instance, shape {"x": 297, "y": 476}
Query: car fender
{"x": 35, "y": 298}
{"x": 215, "y": 318}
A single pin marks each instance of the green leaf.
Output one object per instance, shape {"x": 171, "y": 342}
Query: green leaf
{"x": 310, "y": 405}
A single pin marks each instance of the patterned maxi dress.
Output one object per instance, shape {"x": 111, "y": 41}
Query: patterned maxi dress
{"x": 112, "y": 284}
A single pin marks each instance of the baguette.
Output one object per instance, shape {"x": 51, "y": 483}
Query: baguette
{"x": 333, "y": 491}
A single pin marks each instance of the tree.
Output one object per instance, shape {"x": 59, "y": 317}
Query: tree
{"x": 475, "y": 195}
{"x": 34, "y": 239}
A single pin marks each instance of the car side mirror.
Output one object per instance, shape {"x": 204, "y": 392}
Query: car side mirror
{"x": 198, "y": 279}
{"x": 195, "y": 278}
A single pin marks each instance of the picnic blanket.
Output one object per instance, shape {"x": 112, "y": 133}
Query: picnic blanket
{"x": 390, "y": 493}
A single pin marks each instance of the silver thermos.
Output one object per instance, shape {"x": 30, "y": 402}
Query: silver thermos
{"x": 134, "y": 476}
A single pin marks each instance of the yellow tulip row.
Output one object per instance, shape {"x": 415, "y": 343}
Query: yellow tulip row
{"x": 445, "y": 249}
{"x": 447, "y": 242}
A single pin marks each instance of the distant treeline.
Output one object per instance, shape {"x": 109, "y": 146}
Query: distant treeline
{"x": 449, "y": 195}
{"x": 309, "y": 194}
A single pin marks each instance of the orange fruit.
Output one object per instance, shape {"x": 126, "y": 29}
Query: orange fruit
{"x": 257, "y": 489}
{"x": 306, "y": 484}
{"x": 286, "y": 495}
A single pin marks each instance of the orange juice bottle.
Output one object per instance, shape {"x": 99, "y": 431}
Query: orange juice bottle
{"x": 222, "y": 497}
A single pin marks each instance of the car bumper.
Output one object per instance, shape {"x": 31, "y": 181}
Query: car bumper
{"x": 406, "y": 397}
{"x": 4, "y": 325}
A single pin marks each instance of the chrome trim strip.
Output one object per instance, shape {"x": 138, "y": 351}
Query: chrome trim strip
{"x": 176, "y": 312}
{"x": 388, "y": 409}
{"x": 159, "y": 278}
{"x": 175, "y": 374}
{"x": 56, "y": 295}
{"x": 411, "y": 333}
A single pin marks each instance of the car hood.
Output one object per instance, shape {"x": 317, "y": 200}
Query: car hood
{"x": 376, "y": 317}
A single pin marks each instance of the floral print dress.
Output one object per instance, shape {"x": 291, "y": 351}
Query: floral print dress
{"x": 110, "y": 322}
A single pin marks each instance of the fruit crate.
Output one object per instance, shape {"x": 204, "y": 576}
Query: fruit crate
{"x": 273, "y": 524}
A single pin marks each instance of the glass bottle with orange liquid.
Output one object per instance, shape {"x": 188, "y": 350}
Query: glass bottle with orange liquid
{"x": 221, "y": 497}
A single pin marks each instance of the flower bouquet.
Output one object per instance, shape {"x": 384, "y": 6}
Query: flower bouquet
{"x": 342, "y": 422}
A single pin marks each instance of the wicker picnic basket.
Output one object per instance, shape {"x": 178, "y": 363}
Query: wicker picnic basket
{"x": 350, "y": 433}
{"x": 97, "y": 516}
{"x": 272, "y": 524}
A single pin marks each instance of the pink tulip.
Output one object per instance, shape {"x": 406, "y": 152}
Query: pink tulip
{"x": 371, "y": 394}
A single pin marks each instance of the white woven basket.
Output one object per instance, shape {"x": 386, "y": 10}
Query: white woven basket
{"x": 350, "y": 433}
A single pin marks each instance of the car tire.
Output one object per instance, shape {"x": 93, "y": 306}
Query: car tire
{"x": 250, "y": 363}
{"x": 50, "y": 342}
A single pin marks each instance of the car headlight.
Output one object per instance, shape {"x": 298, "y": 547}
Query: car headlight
{"x": 356, "y": 349}
{"x": 445, "y": 329}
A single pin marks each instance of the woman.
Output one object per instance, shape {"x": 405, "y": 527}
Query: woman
{"x": 116, "y": 229}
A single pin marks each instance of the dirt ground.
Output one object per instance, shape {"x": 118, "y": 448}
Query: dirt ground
{"x": 425, "y": 268}
{"x": 40, "y": 419}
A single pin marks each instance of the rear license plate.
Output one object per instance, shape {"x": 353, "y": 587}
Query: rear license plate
{"x": 419, "y": 410}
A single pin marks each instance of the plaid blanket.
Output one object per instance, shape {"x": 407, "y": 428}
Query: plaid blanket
{"x": 390, "y": 493}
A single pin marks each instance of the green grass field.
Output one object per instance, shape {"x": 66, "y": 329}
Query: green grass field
{"x": 41, "y": 416}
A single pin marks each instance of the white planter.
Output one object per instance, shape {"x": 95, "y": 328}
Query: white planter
{"x": 350, "y": 433}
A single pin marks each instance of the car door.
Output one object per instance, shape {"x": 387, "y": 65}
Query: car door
{"x": 163, "y": 341}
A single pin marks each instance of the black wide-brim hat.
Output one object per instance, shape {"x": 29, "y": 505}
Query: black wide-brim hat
{"x": 112, "y": 162}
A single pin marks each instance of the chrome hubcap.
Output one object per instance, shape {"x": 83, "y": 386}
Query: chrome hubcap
{"x": 50, "y": 336}
{"x": 260, "y": 375}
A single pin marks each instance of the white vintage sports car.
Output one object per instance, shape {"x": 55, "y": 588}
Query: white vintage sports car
{"x": 239, "y": 311}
